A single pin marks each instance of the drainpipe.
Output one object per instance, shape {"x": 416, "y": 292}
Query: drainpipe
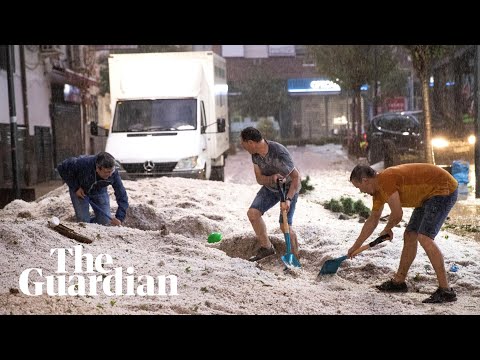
{"x": 477, "y": 121}
{"x": 28, "y": 140}
{"x": 13, "y": 118}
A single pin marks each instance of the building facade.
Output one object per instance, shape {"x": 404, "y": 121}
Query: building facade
{"x": 54, "y": 87}
{"x": 314, "y": 109}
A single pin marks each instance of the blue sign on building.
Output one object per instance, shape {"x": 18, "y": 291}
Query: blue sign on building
{"x": 313, "y": 85}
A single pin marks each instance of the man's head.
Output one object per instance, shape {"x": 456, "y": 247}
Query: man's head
{"x": 250, "y": 138}
{"x": 105, "y": 164}
{"x": 363, "y": 177}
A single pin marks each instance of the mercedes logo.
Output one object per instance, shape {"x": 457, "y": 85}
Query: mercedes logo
{"x": 148, "y": 165}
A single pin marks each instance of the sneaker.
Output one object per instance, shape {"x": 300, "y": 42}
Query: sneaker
{"x": 392, "y": 286}
{"x": 263, "y": 252}
{"x": 441, "y": 296}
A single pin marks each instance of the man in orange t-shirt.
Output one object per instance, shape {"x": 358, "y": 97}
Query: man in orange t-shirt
{"x": 432, "y": 191}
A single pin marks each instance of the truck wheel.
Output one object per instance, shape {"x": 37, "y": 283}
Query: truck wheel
{"x": 203, "y": 174}
{"x": 218, "y": 173}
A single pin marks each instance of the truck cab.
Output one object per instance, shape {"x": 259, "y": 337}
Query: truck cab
{"x": 169, "y": 115}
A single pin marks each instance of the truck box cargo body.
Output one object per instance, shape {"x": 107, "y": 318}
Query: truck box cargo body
{"x": 170, "y": 114}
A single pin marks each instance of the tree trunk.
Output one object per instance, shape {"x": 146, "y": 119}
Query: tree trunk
{"x": 358, "y": 111}
{"x": 429, "y": 158}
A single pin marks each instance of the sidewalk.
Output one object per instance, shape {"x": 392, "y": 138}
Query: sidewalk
{"x": 30, "y": 193}
{"x": 45, "y": 187}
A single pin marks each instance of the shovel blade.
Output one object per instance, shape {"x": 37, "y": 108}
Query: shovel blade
{"x": 331, "y": 266}
{"x": 290, "y": 260}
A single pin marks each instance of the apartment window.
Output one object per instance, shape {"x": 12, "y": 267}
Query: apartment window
{"x": 74, "y": 55}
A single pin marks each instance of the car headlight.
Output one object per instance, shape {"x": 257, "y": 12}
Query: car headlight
{"x": 187, "y": 164}
{"x": 472, "y": 139}
{"x": 439, "y": 143}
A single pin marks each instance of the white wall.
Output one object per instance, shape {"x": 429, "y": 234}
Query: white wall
{"x": 232, "y": 50}
{"x": 256, "y": 51}
{"x": 4, "y": 97}
{"x": 38, "y": 91}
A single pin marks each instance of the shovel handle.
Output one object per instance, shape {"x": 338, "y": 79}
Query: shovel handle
{"x": 97, "y": 208}
{"x": 377, "y": 241}
{"x": 286, "y": 228}
{"x": 281, "y": 188}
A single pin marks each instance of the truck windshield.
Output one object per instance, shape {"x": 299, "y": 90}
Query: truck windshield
{"x": 155, "y": 115}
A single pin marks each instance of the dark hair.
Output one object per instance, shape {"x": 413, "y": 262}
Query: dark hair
{"x": 251, "y": 133}
{"x": 362, "y": 171}
{"x": 105, "y": 160}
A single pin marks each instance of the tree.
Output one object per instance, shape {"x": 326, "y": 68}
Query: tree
{"x": 352, "y": 66}
{"x": 261, "y": 95}
{"x": 423, "y": 57}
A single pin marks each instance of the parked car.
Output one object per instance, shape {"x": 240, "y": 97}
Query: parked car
{"x": 452, "y": 139}
{"x": 392, "y": 134}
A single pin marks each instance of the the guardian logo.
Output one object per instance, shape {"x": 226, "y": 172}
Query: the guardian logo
{"x": 113, "y": 282}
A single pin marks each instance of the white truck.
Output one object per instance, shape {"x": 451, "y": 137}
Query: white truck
{"x": 169, "y": 114}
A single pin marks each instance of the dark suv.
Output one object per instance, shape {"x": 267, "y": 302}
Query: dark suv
{"x": 392, "y": 134}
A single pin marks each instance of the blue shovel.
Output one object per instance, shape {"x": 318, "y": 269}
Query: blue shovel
{"x": 289, "y": 258}
{"x": 331, "y": 266}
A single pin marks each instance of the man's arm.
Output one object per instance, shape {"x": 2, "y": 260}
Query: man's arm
{"x": 296, "y": 183}
{"x": 120, "y": 195}
{"x": 270, "y": 180}
{"x": 368, "y": 228}
{"x": 396, "y": 213}
{"x": 68, "y": 170}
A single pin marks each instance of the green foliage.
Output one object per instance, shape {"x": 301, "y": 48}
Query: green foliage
{"x": 306, "y": 186}
{"x": 334, "y": 205}
{"x": 423, "y": 58}
{"x": 260, "y": 94}
{"x": 393, "y": 84}
{"x": 360, "y": 208}
{"x": 266, "y": 127}
{"x": 351, "y": 66}
{"x": 347, "y": 206}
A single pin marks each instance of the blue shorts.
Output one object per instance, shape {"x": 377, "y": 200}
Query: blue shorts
{"x": 266, "y": 199}
{"x": 429, "y": 218}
